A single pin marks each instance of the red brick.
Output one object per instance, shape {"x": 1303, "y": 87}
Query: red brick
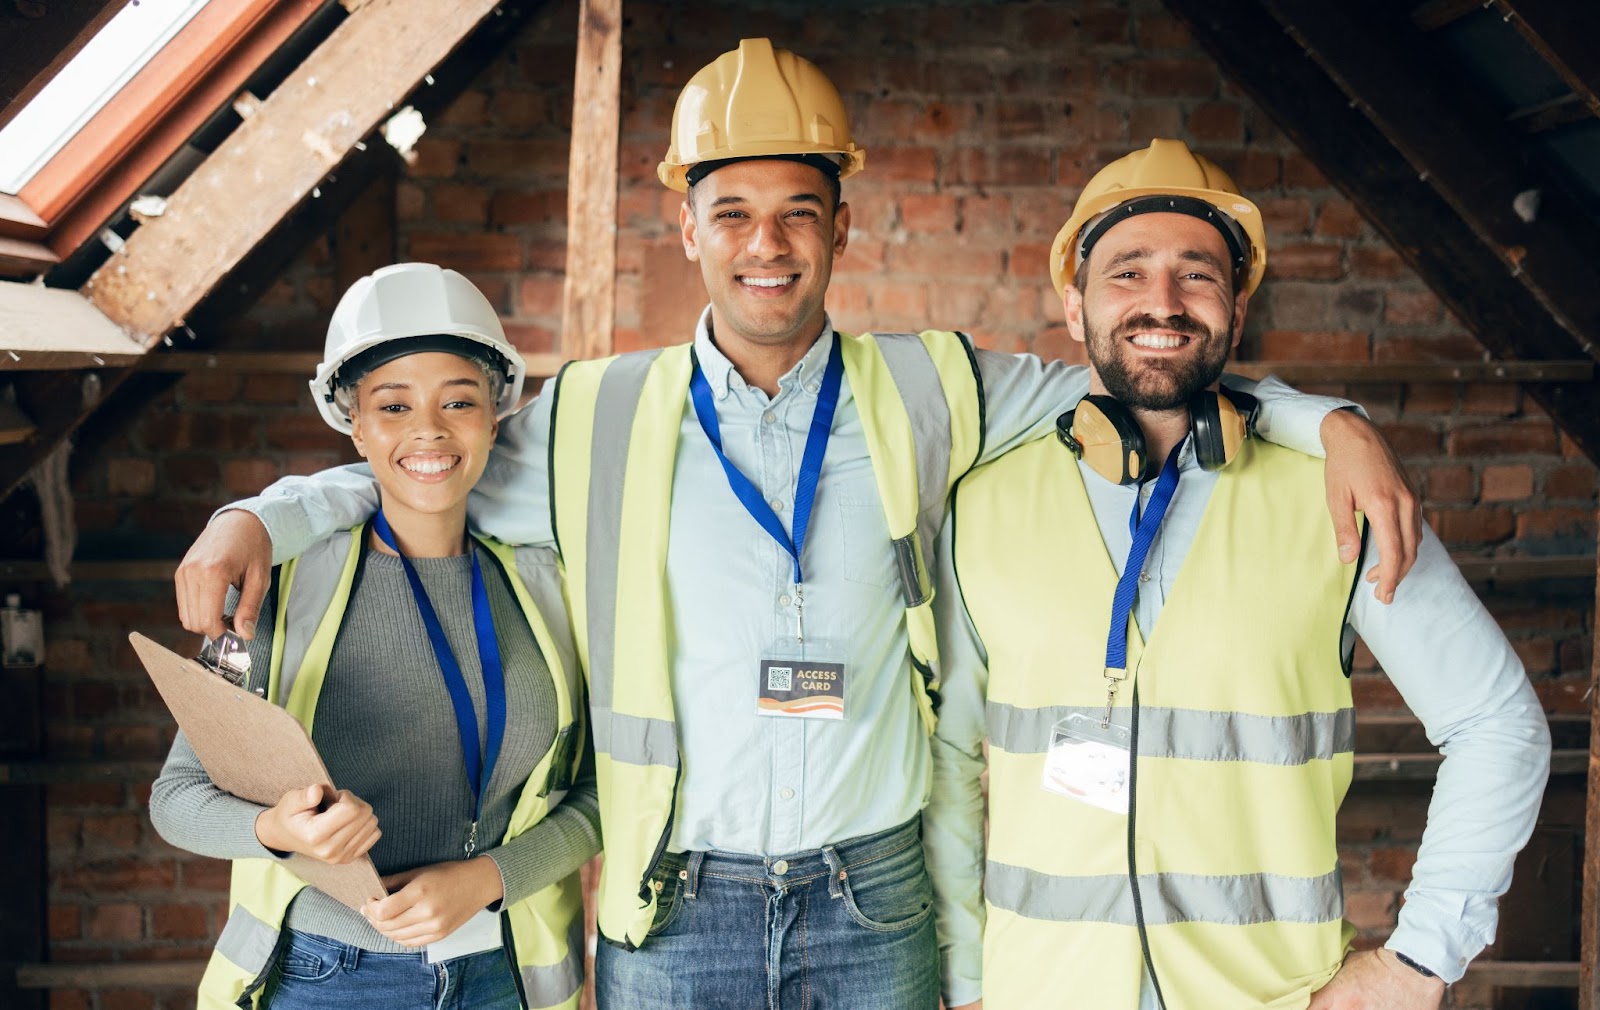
{"x": 1285, "y": 215}
{"x": 126, "y": 999}
{"x": 474, "y": 251}
{"x": 69, "y": 999}
{"x": 246, "y": 477}
{"x": 944, "y": 259}
{"x": 1056, "y": 343}
{"x": 1556, "y": 523}
{"x": 1306, "y": 262}
{"x": 116, "y": 922}
{"x": 1563, "y": 696}
{"x": 120, "y": 876}
{"x": 1162, "y": 31}
{"x": 264, "y": 387}
{"x": 1538, "y": 655}
{"x": 460, "y": 203}
{"x": 956, "y": 306}
{"x": 134, "y": 742}
{"x": 179, "y": 922}
{"x": 1510, "y": 438}
{"x": 518, "y": 111}
{"x": 1377, "y": 262}
{"x": 1491, "y": 399}
{"x": 1031, "y": 260}
{"x": 862, "y": 256}
{"x": 206, "y": 874}
{"x": 1475, "y": 528}
{"x": 1338, "y": 219}
{"x": 435, "y": 158}
{"x": 1370, "y": 909}
{"x": 1298, "y": 345}
{"x": 1003, "y": 167}
{"x": 1216, "y": 123}
{"x": 132, "y": 478}
{"x": 1169, "y": 78}
{"x": 505, "y": 158}
{"x": 903, "y": 305}
{"x": 1507, "y": 483}
{"x": 904, "y": 164}
{"x": 540, "y": 295}
{"x": 928, "y": 212}
{"x": 210, "y": 387}
{"x": 514, "y": 207}
{"x": 1019, "y": 120}
{"x": 1448, "y": 347}
{"x": 1448, "y": 484}
{"x": 65, "y": 922}
{"x": 1300, "y": 173}
{"x": 1411, "y": 308}
{"x": 1104, "y": 27}
{"x": 1570, "y": 480}
{"x": 1154, "y": 119}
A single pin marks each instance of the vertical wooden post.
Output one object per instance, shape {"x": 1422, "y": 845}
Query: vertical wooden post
{"x": 1588, "y": 977}
{"x": 588, "y": 310}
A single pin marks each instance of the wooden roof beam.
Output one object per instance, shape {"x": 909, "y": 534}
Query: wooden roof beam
{"x": 1564, "y": 33}
{"x": 588, "y": 304}
{"x": 1435, "y": 14}
{"x": 1255, "y": 53}
{"x": 1459, "y": 146}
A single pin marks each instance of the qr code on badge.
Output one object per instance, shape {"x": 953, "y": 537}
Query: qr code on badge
{"x": 780, "y": 678}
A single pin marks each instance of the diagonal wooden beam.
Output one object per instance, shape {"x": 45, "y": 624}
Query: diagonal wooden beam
{"x": 1564, "y": 33}
{"x": 277, "y": 157}
{"x": 1589, "y": 954}
{"x": 1255, "y": 53}
{"x": 588, "y": 309}
{"x": 1456, "y": 142}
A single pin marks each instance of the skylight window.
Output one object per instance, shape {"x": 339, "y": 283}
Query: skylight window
{"x": 101, "y": 68}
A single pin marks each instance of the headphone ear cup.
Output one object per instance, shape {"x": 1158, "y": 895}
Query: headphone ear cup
{"x": 1218, "y": 427}
{"x": 1109, "y": 439}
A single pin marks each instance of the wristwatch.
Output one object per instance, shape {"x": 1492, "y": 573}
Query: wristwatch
{"x": 1414, "y": 966}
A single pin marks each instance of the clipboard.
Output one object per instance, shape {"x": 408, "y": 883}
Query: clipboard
{"x": 254, "y": 750}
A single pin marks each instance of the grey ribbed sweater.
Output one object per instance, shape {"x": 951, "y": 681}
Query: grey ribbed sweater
{"x": 386, "y": 730}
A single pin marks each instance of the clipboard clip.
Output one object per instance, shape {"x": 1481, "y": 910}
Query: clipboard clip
{"x": 227, "y": 657}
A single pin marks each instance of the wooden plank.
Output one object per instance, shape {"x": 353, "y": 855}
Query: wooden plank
{"x": 1422, "y": 767}
{"x": 1420, "y": 371}
{"x": 154, "y": 570}
{"x": 21, "y": 258}
{"x": 338, "y": 96}
{"x": 18, "y": 220}
{"x": 1525, "y": 569}
{"x": 1589, "y": 980}
{"x": 37, "y": 322}
{"x": 1435, "y": 14}
{"x": 1524, "y": 974}
{"x": 588, "y": 309}
{"x": 1564, "y": 33}
{"x": 1458, "y": 145}
{"x": 111, "y": 975}
{"x": 15, "y": 426}
{"x": 74, "y": 772}
{"x": 1474, "y": 283}
{"x": 1553, "y": 114}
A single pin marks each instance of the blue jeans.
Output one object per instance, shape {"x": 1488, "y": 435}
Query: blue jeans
{"x": 846, "y": 927}
{"x": 313, "y": 972}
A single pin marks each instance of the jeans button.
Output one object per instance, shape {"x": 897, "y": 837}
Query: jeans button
{"x": 780, "y": 867}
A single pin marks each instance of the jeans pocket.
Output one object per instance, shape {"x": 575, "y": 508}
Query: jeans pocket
{"x": 302, "y": 961}
{"x": 669, "y": 902}
{"x": 889, "y": 894}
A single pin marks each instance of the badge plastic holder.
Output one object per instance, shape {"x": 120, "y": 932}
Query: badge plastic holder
{"x": 802, "y": 679}
{"x": 1089, "y": 762}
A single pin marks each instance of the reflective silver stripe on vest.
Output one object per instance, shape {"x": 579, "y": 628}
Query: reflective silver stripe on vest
{"x": 540, "y": 575}
{"x": 616, "y": 402}
{"x": 553, "y": 984}
{"x": 1191, "y": 734}
{"x": 316, "y": 580}
{"x": 917, "y": 380}
{"x": 247, "y": 941}
{"x": 1167, "y": 898}
{"x": 635, "y": 739}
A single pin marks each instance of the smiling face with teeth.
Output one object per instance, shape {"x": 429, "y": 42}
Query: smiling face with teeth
{"x": 426, "y": 423}
{"x": 1157, "y": 310}
{"x": 765, "y": 234}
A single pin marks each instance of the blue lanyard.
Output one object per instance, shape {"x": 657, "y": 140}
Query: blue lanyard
{"x": 1144, "y": 534}
{"x": 805, "y": 493}
{"x": 480, "y": 769}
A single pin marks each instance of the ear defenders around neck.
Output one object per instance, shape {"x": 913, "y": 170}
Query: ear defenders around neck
{"x": 1105, "y": 434}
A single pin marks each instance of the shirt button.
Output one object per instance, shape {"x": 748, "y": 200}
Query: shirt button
{"x": 777, "y": 505}
{"x": 780, "y": 867}
{"x": 812, "y": 387}
{"x": 786, "y": 793}
{"x": 769, "y": 417}
{"x": 1144, "y": 576}
{"x": 784, "y": 601}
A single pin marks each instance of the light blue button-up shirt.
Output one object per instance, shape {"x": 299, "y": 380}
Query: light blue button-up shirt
{"x": 751, "y": 783}
{"x": 1436, "y": 642}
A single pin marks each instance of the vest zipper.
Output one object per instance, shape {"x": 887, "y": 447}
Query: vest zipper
{"x": 1133, "y": 861}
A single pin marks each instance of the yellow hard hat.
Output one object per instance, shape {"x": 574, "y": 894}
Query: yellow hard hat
{"x": 756, "y": 102}
{"x": 1193, "y": 185}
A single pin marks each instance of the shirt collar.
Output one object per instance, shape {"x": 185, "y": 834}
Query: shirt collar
{"x": 719, "y": 371}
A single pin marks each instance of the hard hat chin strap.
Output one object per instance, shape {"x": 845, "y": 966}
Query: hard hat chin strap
{"x": 1238, "y": 244}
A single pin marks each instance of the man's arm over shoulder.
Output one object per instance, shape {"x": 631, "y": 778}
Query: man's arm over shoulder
{"x": 952, "y": 823}
{"x": 1459, "y": 675}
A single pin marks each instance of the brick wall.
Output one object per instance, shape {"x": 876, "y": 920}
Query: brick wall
{"x": 980, "y": 124}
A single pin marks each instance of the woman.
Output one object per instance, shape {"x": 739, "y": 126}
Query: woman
{"x": 435, "y": 673}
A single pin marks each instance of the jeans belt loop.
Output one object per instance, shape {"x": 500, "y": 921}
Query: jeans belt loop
{"x": 691, "y": 874}
{"x": 835, "y": 872}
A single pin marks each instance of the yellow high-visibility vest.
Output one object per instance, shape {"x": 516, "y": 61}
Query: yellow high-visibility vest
{"x": 613, "y": 446}
{"x": 1244, "y": 740}
{"x": 544, "y": 932}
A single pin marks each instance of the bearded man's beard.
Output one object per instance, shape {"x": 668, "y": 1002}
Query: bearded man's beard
{"x": 1158, "y": 384}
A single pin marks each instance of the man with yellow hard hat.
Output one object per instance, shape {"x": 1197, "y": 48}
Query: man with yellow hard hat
{"x": 1144, "y": 620}
{"x": 745, "y": 523}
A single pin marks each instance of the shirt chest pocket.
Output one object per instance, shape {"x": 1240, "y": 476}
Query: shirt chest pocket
{"x": 868, "y": 557}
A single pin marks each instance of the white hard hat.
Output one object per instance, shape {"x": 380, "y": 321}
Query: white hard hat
{"x": 408, "y": 304}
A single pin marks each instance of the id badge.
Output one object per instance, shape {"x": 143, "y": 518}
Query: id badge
{"x": 801, "y": 679}
{"x": 1089, "y": 762}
